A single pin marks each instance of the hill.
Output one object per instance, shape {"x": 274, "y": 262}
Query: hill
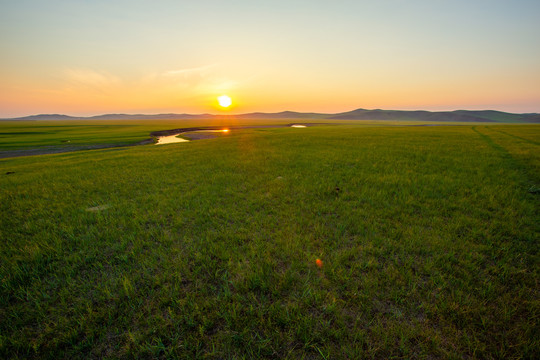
{"x": 453, "y": 116}
{"x": 419, "y": 115}
{"x": 358, "y": 114}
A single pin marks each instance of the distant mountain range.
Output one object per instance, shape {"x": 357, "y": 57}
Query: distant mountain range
{"x": 359, "y": 114}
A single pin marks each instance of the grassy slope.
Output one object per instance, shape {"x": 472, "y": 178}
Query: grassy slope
{"x": 497, "y": 116}
{"x": 429, "y": 238}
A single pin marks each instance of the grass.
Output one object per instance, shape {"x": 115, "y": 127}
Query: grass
{"x": 83, "y": 134}
{"x": 207, "y": 249}
{"x": 21, "y": 135}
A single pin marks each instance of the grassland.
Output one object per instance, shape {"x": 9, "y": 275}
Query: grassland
{"x": 207, "y": 249}
{"x": 70, "y": 134}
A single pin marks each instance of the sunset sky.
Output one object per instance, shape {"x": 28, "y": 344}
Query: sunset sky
{"x": 89, "y": 57}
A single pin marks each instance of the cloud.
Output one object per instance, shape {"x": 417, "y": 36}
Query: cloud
{"x": 178, "y": 83}
{"x": 95, "y": 80}
{"x": 205, "y": 79}
{"x": 196, "y": 71}
{"x": 189, "y": 78}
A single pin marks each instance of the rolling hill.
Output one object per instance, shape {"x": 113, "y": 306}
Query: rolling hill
{"x": 358, "y": 114}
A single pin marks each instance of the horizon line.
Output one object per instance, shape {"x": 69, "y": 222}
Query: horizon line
{"x": 253, "y": 112}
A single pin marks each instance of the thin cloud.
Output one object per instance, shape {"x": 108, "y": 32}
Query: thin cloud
{"x": 178, "y": 83}
{"x": 200, "y": 70}
{"x": 195, "y": 79}
{"x": 88, "y": 78}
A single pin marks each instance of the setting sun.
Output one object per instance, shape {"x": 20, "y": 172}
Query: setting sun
{"x": 224, "y": 101}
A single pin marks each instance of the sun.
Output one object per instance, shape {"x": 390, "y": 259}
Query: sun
{"x": 224, "y": 101}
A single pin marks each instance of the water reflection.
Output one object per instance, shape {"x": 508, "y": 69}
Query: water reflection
{"x": 169, "y": 139}
{"x": 298, "y": 126}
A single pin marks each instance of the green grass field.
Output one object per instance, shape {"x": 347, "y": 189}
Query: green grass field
{"x": 207, "y": 249}
{"x": 20, "y": 135}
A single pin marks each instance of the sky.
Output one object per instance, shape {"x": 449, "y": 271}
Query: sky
{"x": 90, "y": 57}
